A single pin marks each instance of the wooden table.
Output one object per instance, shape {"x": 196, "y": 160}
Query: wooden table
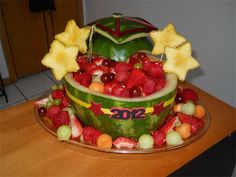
{"x": 28, "y": 150}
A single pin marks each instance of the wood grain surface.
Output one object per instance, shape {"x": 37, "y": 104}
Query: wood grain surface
{"x": 28, "y": 150}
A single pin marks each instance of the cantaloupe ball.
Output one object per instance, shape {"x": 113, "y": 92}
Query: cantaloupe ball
{"x": 184, "y": 130}
{"x": 178, "y": 107}
{"x": 199, "y": 111}
{"x": 104, "y": 141}
{"x": 97, "y": 86}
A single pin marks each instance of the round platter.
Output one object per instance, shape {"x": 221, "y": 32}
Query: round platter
{"x": 46, "y": 123}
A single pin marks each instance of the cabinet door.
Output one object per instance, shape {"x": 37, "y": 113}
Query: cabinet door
{"x": 27, "y": 36}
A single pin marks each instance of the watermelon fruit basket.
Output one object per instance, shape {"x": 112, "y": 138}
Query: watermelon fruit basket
{"x": 120, "y": 91}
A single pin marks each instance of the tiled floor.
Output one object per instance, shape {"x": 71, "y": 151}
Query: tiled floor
{"x": 28, "y": 88}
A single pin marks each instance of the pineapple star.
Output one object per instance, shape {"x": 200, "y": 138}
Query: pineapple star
{"x": 61, "y": 59}
{"x": 74, "y": 36}
{"x": 166, "y": 37}
{"x": 179, "y": 60}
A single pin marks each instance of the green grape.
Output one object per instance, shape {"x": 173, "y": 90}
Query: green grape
{"x": 56, "y": 102}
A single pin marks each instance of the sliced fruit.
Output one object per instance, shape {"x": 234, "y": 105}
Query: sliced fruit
{"x": 64, "y": 133}
{"x": 166, "y": 37}
{"x": 83, "y": 78}
{"x": 159, "y": 138}
{"x": 196, "y": 123}
{"x": 61, "y": 59}
{"x": 136, "y": 78}
{"x": 97, "y": 86}
{"x": 123, "y": 142}
{"x": 200, "y": 111}
{"x": 179, "y": 61}
{"x": 169, "y": 125}
{"x": 90, "y": 135}
{"x": 173, "y": 138}
{"x": 184, "y": 130}
{"x": 61, "y": 119}
{"x": 104, "y": 141}
{"x": 189, "y": 95}
{"x": 145, "y": 141}
{"x": 74, "y": 36}
{"x": 188, "y": 108}
{"x": 53, "y": 110}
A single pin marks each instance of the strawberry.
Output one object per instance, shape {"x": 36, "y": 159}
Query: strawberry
{"x": 137, "y": 77}
{"x": 189, "y": 94}
{"x": 98, "y": 60}
{"x": 58, "y": 94}
{"x": 83, "y": 78}
{"x": 122, "y": 76}
{"x": 169, "y": 125}
{"x": 76, "y": 126}
{"x": 149, "y": 86}
{"x": 159, "y": 138}
{"x": 108, "y": 87}
{"x": 90, "y": 135}
{"x": 61, "y": 119}
{"x": 53, "y": 110}
{"x": 196, "y": 123}
{"x": 122, "y": 66}
{"x": 123, "y": 142}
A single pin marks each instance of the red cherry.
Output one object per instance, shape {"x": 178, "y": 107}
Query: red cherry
{"x": 42, "y": 111}
{"x": 135, "y": 91}
{"x": 107, "y": 77}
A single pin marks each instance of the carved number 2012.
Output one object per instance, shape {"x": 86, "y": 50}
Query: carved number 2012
{"x": 122, "y": 113}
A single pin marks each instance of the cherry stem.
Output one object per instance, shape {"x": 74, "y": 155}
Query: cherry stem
{"x": 162, "y": 56}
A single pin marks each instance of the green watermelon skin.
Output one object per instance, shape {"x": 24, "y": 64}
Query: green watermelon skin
{"x": 132, "y": 128}
{"x": 103, "y": 46}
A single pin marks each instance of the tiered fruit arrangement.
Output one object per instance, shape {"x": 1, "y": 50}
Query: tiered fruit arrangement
{"x": 185, "y": 121}
{"x": 120, "y": 96}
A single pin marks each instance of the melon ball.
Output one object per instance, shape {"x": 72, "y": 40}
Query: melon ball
{"x": 146, "y": 141}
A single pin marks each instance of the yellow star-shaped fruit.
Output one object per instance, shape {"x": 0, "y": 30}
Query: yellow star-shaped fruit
{"x": 74, "y": 36}
{"x": 166, "y": 37}
{"x": 179, "y": 60}
{"x": 61, "y": 59}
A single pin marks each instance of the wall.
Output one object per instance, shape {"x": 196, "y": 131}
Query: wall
{"x": 208, "y": 25}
